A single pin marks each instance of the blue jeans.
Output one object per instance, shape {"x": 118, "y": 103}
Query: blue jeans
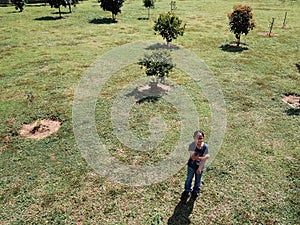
{"x": 191, "y": 172}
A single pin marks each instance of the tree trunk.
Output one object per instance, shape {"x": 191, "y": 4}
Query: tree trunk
{"x": 148, "y": 13}
{"x": 154, "y": 85}
{"x": 238, "y": 37}
{"x": 59, "y": 12}
{"x": 70, "y": 10}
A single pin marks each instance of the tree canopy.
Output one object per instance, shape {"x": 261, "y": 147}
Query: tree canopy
{"x": 149, "y": 4}
{"x": 169, "y": 26}
{"x": 241, "y": 21}
{"x": 113, "y": 6}
{"x": 57, "y": 4}
{"x": 157, "y": 64}
{"x": 19, "y": 4}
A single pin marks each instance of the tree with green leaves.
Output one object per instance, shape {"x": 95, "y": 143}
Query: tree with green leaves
{"x": 158, "y": 64}
{"x": 113, "y": 6}
{"x": 149, "y": 4}
{"x": 169, "y": 26}
{"x": 241, "y": 21}
{"x": 71, "y": 2}
{"x": 57, "y": 4}
{"x": 19, "y": 4}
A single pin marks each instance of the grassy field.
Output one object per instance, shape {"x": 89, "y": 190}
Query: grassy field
{"x": 254, "y": 179}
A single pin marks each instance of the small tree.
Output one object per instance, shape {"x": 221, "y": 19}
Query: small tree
{"x": 57, "y": 3}
{"x": 241, "y": 21}
{"x": 113, "y": 6}
{"x": 173, "y": 5}
{"x": 149, "y": 4}
{"x": 169, "y": 26}
{"x": 19, "y": 4}
{"x": 158, "y": 64}
{"x": 71, "y": 2}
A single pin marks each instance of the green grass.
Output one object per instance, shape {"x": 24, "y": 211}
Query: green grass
{"x": 253, "y": 180}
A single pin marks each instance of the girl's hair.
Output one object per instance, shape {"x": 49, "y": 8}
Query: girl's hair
{"x": 197, "y": 132}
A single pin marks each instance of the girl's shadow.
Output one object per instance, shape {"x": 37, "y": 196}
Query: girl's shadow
{"x": 182, "y": 212}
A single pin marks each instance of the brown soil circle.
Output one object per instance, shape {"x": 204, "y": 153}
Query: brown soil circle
{"x": 267, "y": 34}
{"x": 241, "y": 45}
{"x": 40, "y": 128}
{"x": 158, "y": 89}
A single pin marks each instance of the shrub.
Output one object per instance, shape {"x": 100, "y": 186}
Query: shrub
{"x": 149, "y": 4}
{"x": 241, "y": 21}
{"x": 113, "y": 6}
{"x": 158, "y": 64}
{"x": 169, "y": 26}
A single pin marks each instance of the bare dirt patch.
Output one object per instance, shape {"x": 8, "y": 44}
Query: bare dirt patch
{"x": 268, "y": 34}
{"x": 40, "y": 128}
{"x": 292, "y": 100}
{"x": 157, "y": 89}
{"x": 241, "y": 45}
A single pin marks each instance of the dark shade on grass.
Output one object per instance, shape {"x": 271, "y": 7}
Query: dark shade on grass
{"x": 232, "y": 48}
{"x": 61, "y": 12}
{"x": 103, "y": 21}
{"x": 182, "y": 212}
{"x": 148, "y": 99}
{"x": 143, "y": 18}
{"x": 142, "y": 96}
{"x": 48, "y": 18}
{"x": 298, "y": 66}
{"x": 13, "y": 12}
{"x": 37, "y": 5}
{"x": 292, "y": 112}
{"x": 164, "y": 46}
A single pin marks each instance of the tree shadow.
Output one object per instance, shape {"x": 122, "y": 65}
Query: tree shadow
{"x": 103, "y": 21}
{"x": 298, "y": 66}
{"x": 182, "y": 212}
{"x": 13, "y": 12}
{"x": 152, "y": 99}
{"x": 48, "y": 18}
{"x": 61, "y": 12}
{"x": 36, "y": 5}
{"x": 232, "y": 47}
{"x": 148, "y": 95}
{"x": 293, "y": 112}
{"x": 143, "y": 18}
{"x": 162, "y": 46}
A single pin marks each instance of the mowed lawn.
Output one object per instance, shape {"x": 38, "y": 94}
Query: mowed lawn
{"x": 254, "y": 178}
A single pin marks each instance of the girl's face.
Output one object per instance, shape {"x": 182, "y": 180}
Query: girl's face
{"x": 199, "y": 138}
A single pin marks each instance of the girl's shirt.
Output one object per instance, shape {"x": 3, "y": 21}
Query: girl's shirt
{"x": 198, "y": 152}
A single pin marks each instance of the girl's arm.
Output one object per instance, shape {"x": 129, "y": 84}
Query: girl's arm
{"x": 198, "y": 158}
{"x": 202, "y": 163}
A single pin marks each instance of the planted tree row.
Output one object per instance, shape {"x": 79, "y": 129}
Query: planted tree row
{"x": 159, "y": 63}
{"x": 19, "y": 4}
{"x": 58, "y": 3}
{"x": 170, "y": 26}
